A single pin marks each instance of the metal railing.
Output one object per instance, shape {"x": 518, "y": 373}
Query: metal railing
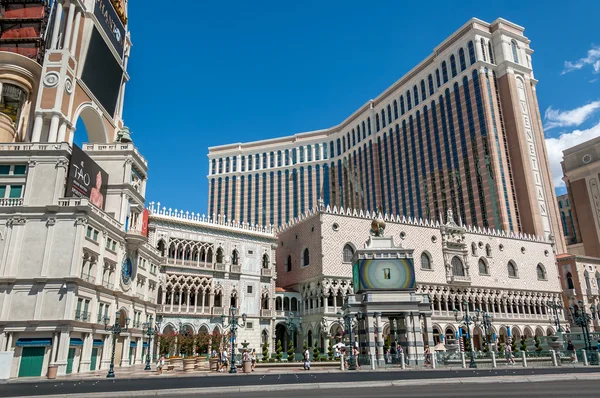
{"x": 217, "y": 311}
{"x": 82, "y": 316}
{"x": 236, "y": 269}
{"x": 266, "y": 271}
{"x": 108, "y": 285}
{"x": 88, "y": 278}
{"x": 266, "y": 313}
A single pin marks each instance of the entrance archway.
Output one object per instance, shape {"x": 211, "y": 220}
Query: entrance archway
{"x": 89, "y": 126}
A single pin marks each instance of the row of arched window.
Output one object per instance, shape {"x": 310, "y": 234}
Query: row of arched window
{"x": 458, "y": 267}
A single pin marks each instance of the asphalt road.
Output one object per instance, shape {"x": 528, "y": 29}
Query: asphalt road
{"x": 566, "y": 389}
{"x": 17, "y": 389}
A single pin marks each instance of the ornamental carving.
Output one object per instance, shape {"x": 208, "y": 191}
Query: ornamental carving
{"x": 51, "y": 79}
{"x": 69, "y": 86}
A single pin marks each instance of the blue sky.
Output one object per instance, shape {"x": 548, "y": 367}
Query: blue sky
{"x": 210, "y": 73}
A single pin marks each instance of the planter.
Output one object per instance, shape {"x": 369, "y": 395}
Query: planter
{"x": 213, "y": 362}
{"x": 176, "y": 362}
{"x": 52, "y": 369}
{"x": 189, "y": 364}
{"x": 201, "y": 363}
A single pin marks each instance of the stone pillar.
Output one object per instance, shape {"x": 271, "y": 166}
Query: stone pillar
{"x": 429, "y": 331}
{"x": 370, "y": 344}
{"x": 69, "y": 28}
{"x": 56, "y": 29}
{"x": 187, "y": 301}
{"x": 379, "y": 338}
{"x": 36, "y": 134}
{"x": 124, "y": 360}
{"x": 86, "y": 353}
{"x": 63, "y": 352}
{"x": 62, "y": 132}
{"x": 73, "y": 45}
{"x": 401, "y": 334}
{"x": 53, "y": 131}
{"x": 106, "y": 351}
{"x": 139, "y": 352}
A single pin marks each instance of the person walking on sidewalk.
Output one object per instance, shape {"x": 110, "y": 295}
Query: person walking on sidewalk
{"x": 253, "y": 359}
{"x": 427, "y": 356}
{"x": 306, "y": 360}
{"x": 160, "y": 365}
{"x": 510, "y": 358}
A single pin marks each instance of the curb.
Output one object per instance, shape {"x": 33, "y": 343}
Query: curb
{"x": 325, "y": 386}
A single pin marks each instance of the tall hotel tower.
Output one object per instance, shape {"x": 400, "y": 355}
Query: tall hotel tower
{"x": 462, "y": 130}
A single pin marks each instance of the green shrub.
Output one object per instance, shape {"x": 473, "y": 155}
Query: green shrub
{"x": 316, "y": 351}
{"x": 290, "y": 352}
{"x": 279, "y": 351}
{"x": 538, "y": 344}
{"x": 265, "y": 352}
{"x": 330, "y": 351}
{"x": 523, "y": 346}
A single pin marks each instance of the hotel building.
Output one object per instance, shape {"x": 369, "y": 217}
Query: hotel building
{"x": 460, "y": 131}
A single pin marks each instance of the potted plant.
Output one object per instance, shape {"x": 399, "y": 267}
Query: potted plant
{"x": 202, "y": 343}
{"x": 165, "y": 344}
{"x": 186, "y": 347}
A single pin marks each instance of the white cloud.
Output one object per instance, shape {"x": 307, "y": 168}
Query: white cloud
{"x": 556, "y": 146}
{"x": 593, "y": 58}
{"x": 573, "y": 117}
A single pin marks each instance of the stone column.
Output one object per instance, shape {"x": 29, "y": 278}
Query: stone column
{"x": 56, "y": 29}
{"x": 106, "y": 351}
{"x": 53, "y": 131}
{"x": 125, "y": 352}
{"x": 69, "y": 28}
{"x": 63, "y": 352}
{"x": 139, "y": 352}
{"x": 86, "y": 353}
{"x": 73, "y": 45}
{"x": 62, "y": 132}
{"x": 370, "y": 333}
{"x": 379, "y": 338}
{"x": 187, "y": 301}
{"x": 429, "y": 331}
{"x": 36, "y": 134}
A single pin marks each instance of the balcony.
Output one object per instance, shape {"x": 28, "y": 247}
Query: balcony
{"x": 236, "y": 269}
{"x": 108, "y": 285}
{"x": 88, "y": 278}
{"x": 220, "y": 267}
{"x": 84, "y": 203}
{"x": 217, "y": 311}
{"x": 571, "y": 292}
{"x": 593, "y": 291}
{"x": 11, "y": 202}
{"x": 82, "y": 316}
{"x": 266, "y": 313}
{"x": 135, "y": 237}
{"x": 460, "y": 279}
{"x": 140, "y": 296}
{"x": 268, "y": 272}
{"x": 100, "y": 318}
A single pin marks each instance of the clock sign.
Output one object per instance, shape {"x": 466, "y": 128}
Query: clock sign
{"x": 127, "y": 271}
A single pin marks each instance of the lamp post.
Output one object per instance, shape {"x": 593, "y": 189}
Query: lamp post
{"x": 149, "y": 330}
{"x": 467, "y": 320}
{"x": 483, "y": 319}
{"x": 582, "y": 319}
{"x": 292, "y": 327}
{"x": 349, "y": 320}
{"x": 233, "y": 326}
{"x": 116, "y": 329}
{"x": 555, "y": 307}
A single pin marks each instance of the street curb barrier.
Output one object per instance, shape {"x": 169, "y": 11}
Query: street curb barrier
{"x": 326, "y": 386}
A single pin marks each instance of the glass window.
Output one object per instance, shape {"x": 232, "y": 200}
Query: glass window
{"x": 461, "y": 57}
{"x": 377, "y": 122}
{"x": 389, "y": 109}
{"x": 2, "y": 191}
{"x": 301, "y": 149}
{"x": 482, "y": 42}
{"x": 453, "y": 65}
{"x": 408, "y": 100}
{"x": 512, "y": 269}
{"x": 444, "y": 71}
{"x": 416, "y": 94}
{"x": 423, "y": 90}
{"x": 541, "y": 272}
{"x": 483, "y": 267}
{"x": 437, "y": 78}
{"x": 425, "y": 261}
{"x": 15, "y": 191}
{"x": 515, "y": 48}
{"x": 348, "y": 253}
{"x": 430, "y": 82}
{"x": 458, "y": 268}
{"x": 395, "y": 109}
{"x": 490, "y": 52}
{"x": 570, "y": 281}
{"x": 471, "y": 53}
{"x": 5, "y": 169}
{"x": 402, "y": 105}
{"x": 305, "y": 258}
{"x": 12, "y": 99}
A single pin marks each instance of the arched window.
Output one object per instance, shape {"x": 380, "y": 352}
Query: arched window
{"x": 512, "y": 269}
{"x": 161, "y": 247}
{"x": 389, "y": 114}
{"x": 425, "y": 261}
{"x": 453, "y": 65}
{"x": 473, "y": 249}
{"x": 408, "y": 100}
{"x": 423, "y": 91}
{"x": 461, "y": 58}
{"x": 587, "y": 280}
{"x": 288, "y": 264}
{"x": 416, "y": 94}
{"x": 570, "y": 281}
{"x": 383, "y": 118}
{"x": 483, "y": 267}
{"x": 490, "y": 52}
{"x": 348, "y": 253}
{"x": 541, "y": 272}
{"x": 482, "y": 42}
{"x": 458, "y": 268}
{"x": 444, "y": 71}
{"x": 598, "y": 280}
{"x": 430, "y": 82}
{"x": 305, "y": 257}
{"x": 235, "y": 258}
{"x": 219, "y": 255}
{"x": 265, "y": 261}
{"x": 402, "y": 105}
{"x": 488, "y": 250}
{"x": 471, "y": 49}
{"x": 395, "y": 110}
{"x": 377, "y": 122}
{"x": 437, "y": 78}
{"x": 515, "y": 52}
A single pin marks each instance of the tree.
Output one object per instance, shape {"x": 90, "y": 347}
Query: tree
{"x": 501, "y": 347}
{"x": 186, "y": 344}
{"x": 316, "y": 351}
{"x": 538, "y": 344}
{"x": 216, "y": 340}
{"x": 165, "y": 342}
{"x": 330, "y": 351}
{"x": 202, "y": 342}
{"x": 265, "y": 352}
{"x": 290, "y": 351}
{"x": 523, "y": 344}
{"x": 279, "y": 351}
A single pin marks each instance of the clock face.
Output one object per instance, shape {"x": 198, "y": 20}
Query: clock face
{"x": 127, "y": 271}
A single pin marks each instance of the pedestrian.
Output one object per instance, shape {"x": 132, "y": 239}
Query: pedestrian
{"x": 160, "y": 364}
{"x": 355, "y": 355}
{"x": 399, "y": 354}
{"x": 336, "y": 351}
{"x": 306, "y": 360}
{"x": 571, "y": 351}
{"x": 224, "y": 360}
{"x": 510, "y": 359}
{"x": 427, "y": 355}
{"x": 253, "y": 359}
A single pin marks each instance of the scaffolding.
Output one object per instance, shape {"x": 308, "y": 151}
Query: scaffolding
{"x": 23, "y": 25}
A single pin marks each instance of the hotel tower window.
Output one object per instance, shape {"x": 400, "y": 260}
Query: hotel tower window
{"x": 515, "y": 49}
{"x": 12, "y": 100}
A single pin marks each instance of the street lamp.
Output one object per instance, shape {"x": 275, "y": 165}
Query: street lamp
{"x": 116, "y": 330}
{"x": 149, "y": 330}
{"x": 582, "y": 319}
{"x": 292, "y": 327}
{"x": 483, "y": 319}
{"x": 349, "y": 320}
{"x": 555, "y": 307}
{"x": 467, "y": 320}
{"x": 233, "y": 326}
